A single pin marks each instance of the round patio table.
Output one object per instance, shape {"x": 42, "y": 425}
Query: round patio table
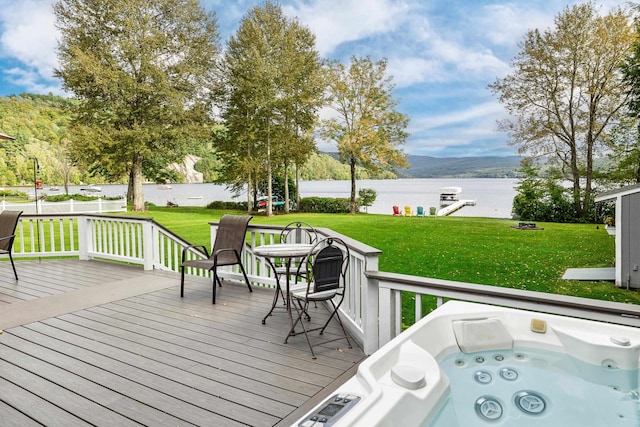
{"x": 286, "y": 251}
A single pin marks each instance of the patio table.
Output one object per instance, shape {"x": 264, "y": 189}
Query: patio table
{"x": 286, "y": 251}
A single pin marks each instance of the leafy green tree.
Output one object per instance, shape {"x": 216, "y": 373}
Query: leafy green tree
{"x": 367, "y": 128}
{"x": 145, "y": 75}
{"x": 274, "y": 92}
{"x": 626, "y": 140}
{"x": 366, "y": 197}
{"x": 624, "y": 155}
{"x": 566, "y": 92}
{"x": 542, "y": 199}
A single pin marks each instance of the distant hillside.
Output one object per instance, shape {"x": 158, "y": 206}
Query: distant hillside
{"x": 459, "y": 167}
{"x": 462, "y": 167}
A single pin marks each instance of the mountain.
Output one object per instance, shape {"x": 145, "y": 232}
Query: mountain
{"x": 458, "y": 167}
{"x": 461, "y": 167}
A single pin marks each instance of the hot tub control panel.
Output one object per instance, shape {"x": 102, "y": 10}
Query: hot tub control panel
{"x": 330, "y": 411}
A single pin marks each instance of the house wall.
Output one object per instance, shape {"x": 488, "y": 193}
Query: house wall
{"x": 630, "y": 240}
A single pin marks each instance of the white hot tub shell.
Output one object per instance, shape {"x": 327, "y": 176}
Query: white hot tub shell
{"x": 403, "y": 383}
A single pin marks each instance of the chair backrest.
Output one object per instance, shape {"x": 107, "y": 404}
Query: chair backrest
{"x": 407, "y": 210}
{"x": 298, "y": 232}
{"x": 420, "y": 210}
{"x": 329, "y": 265}
{"x": 396, "y": 210}
{"x": 8, "y": 223}
{"x": 231, "y": 233}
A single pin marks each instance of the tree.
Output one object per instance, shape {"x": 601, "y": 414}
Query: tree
{"x": 145, "y": 75}
{"x": 274, "y": 92}
{"x": 566, "y": 92}
{"x": 367, "y": 127}
{"x": 626, "y": 142}
{"x": 624, "y": 155}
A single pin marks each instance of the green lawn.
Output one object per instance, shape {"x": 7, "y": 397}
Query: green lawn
{"x": 476, "y": 250}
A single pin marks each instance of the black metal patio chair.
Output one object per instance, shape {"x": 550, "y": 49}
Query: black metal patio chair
{"x": 227, "y": 250}
{"x": 295, "y": 233}
{"x": 8, "y": 223}
{"x": 328, "y": 263}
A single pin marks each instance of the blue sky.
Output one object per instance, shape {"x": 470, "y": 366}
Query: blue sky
{"x": 442, "y": 55}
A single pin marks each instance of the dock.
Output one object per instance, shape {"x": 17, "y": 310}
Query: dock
{"x": 449, "y": 209}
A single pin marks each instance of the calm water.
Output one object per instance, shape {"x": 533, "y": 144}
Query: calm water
{"x": 494, "y": 197}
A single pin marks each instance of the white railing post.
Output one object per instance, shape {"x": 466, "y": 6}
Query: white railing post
{"x": 387, "y": 316}
{"x": 85, "y": 239}
{"x": 371, "y": 307}
{"x": 158, "y": 240}
{"x": 148, "y": 245}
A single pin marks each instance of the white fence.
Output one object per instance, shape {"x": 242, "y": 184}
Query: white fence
{"x": 372, "y": 309}
{"x": 69, "y": 206}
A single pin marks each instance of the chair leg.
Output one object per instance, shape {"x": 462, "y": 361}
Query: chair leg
{"x": 246, "y": 279}
{"x": 182, "y": 281}
{"x": 215, "y": 278}
{"x": 337, "y": 316}
{"x": 13, "y": 265}
{"x": 300, "y": 311}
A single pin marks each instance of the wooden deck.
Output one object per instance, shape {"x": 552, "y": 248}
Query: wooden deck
{"x": 99, "y": 343}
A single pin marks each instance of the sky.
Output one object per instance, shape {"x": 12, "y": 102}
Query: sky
{"x": 442, "y": 55}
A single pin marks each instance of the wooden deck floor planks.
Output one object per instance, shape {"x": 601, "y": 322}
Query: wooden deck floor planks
{"x": 153, "y": 358}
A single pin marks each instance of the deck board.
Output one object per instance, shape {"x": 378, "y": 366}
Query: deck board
{"x": 110, "y": 344}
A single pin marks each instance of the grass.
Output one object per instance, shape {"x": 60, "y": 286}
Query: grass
{"x": 475, "y": 250}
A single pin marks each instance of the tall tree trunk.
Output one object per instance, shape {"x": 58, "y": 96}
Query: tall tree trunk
{"x": 130, "y": 188}
{"x": 286, "y": 185}
{"x": 269, "y": 206}
{"x": 249, "y": 196}
{"x": 136, "y": 184}
{"x": 352, "y": 204}
{"x": 588, "y": 178}
{"x": 298, "y": 186}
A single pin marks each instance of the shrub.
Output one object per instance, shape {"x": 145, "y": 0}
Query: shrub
{"x": 13, "y": 194}
{"x": 324, "y": 205}
{"x": 78, "y": 197}
{"x": 221, "y": 205}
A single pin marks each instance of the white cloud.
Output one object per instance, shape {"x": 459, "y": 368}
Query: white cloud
{"x": 335, "y": 23}
{"x": 29, "y": 34}
{"x": 486, "y": 111}
{"x": 32, "y": 82}
{"x": 505, "y": 24}
{"x": 408, "y": 71}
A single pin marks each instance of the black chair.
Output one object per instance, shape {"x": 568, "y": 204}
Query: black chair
{"x": 300, "y": 233}
{"x": 226, "y": 250}
{"x": 8, "y": 223}
{"x": 327, "y": 262}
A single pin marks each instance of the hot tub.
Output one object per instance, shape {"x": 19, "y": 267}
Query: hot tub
{"x": 470, "y": 364}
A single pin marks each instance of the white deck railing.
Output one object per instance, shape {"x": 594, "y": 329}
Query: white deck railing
{"x": 372, "y": 309}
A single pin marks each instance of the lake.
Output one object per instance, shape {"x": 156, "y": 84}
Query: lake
{"x": 494, "y": 197}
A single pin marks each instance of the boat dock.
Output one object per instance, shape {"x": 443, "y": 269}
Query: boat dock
{"x": 449, "y": 209}
{"x": 450, "y": 201}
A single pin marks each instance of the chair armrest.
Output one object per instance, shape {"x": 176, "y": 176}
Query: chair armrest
{"x": 186, "y": 249}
